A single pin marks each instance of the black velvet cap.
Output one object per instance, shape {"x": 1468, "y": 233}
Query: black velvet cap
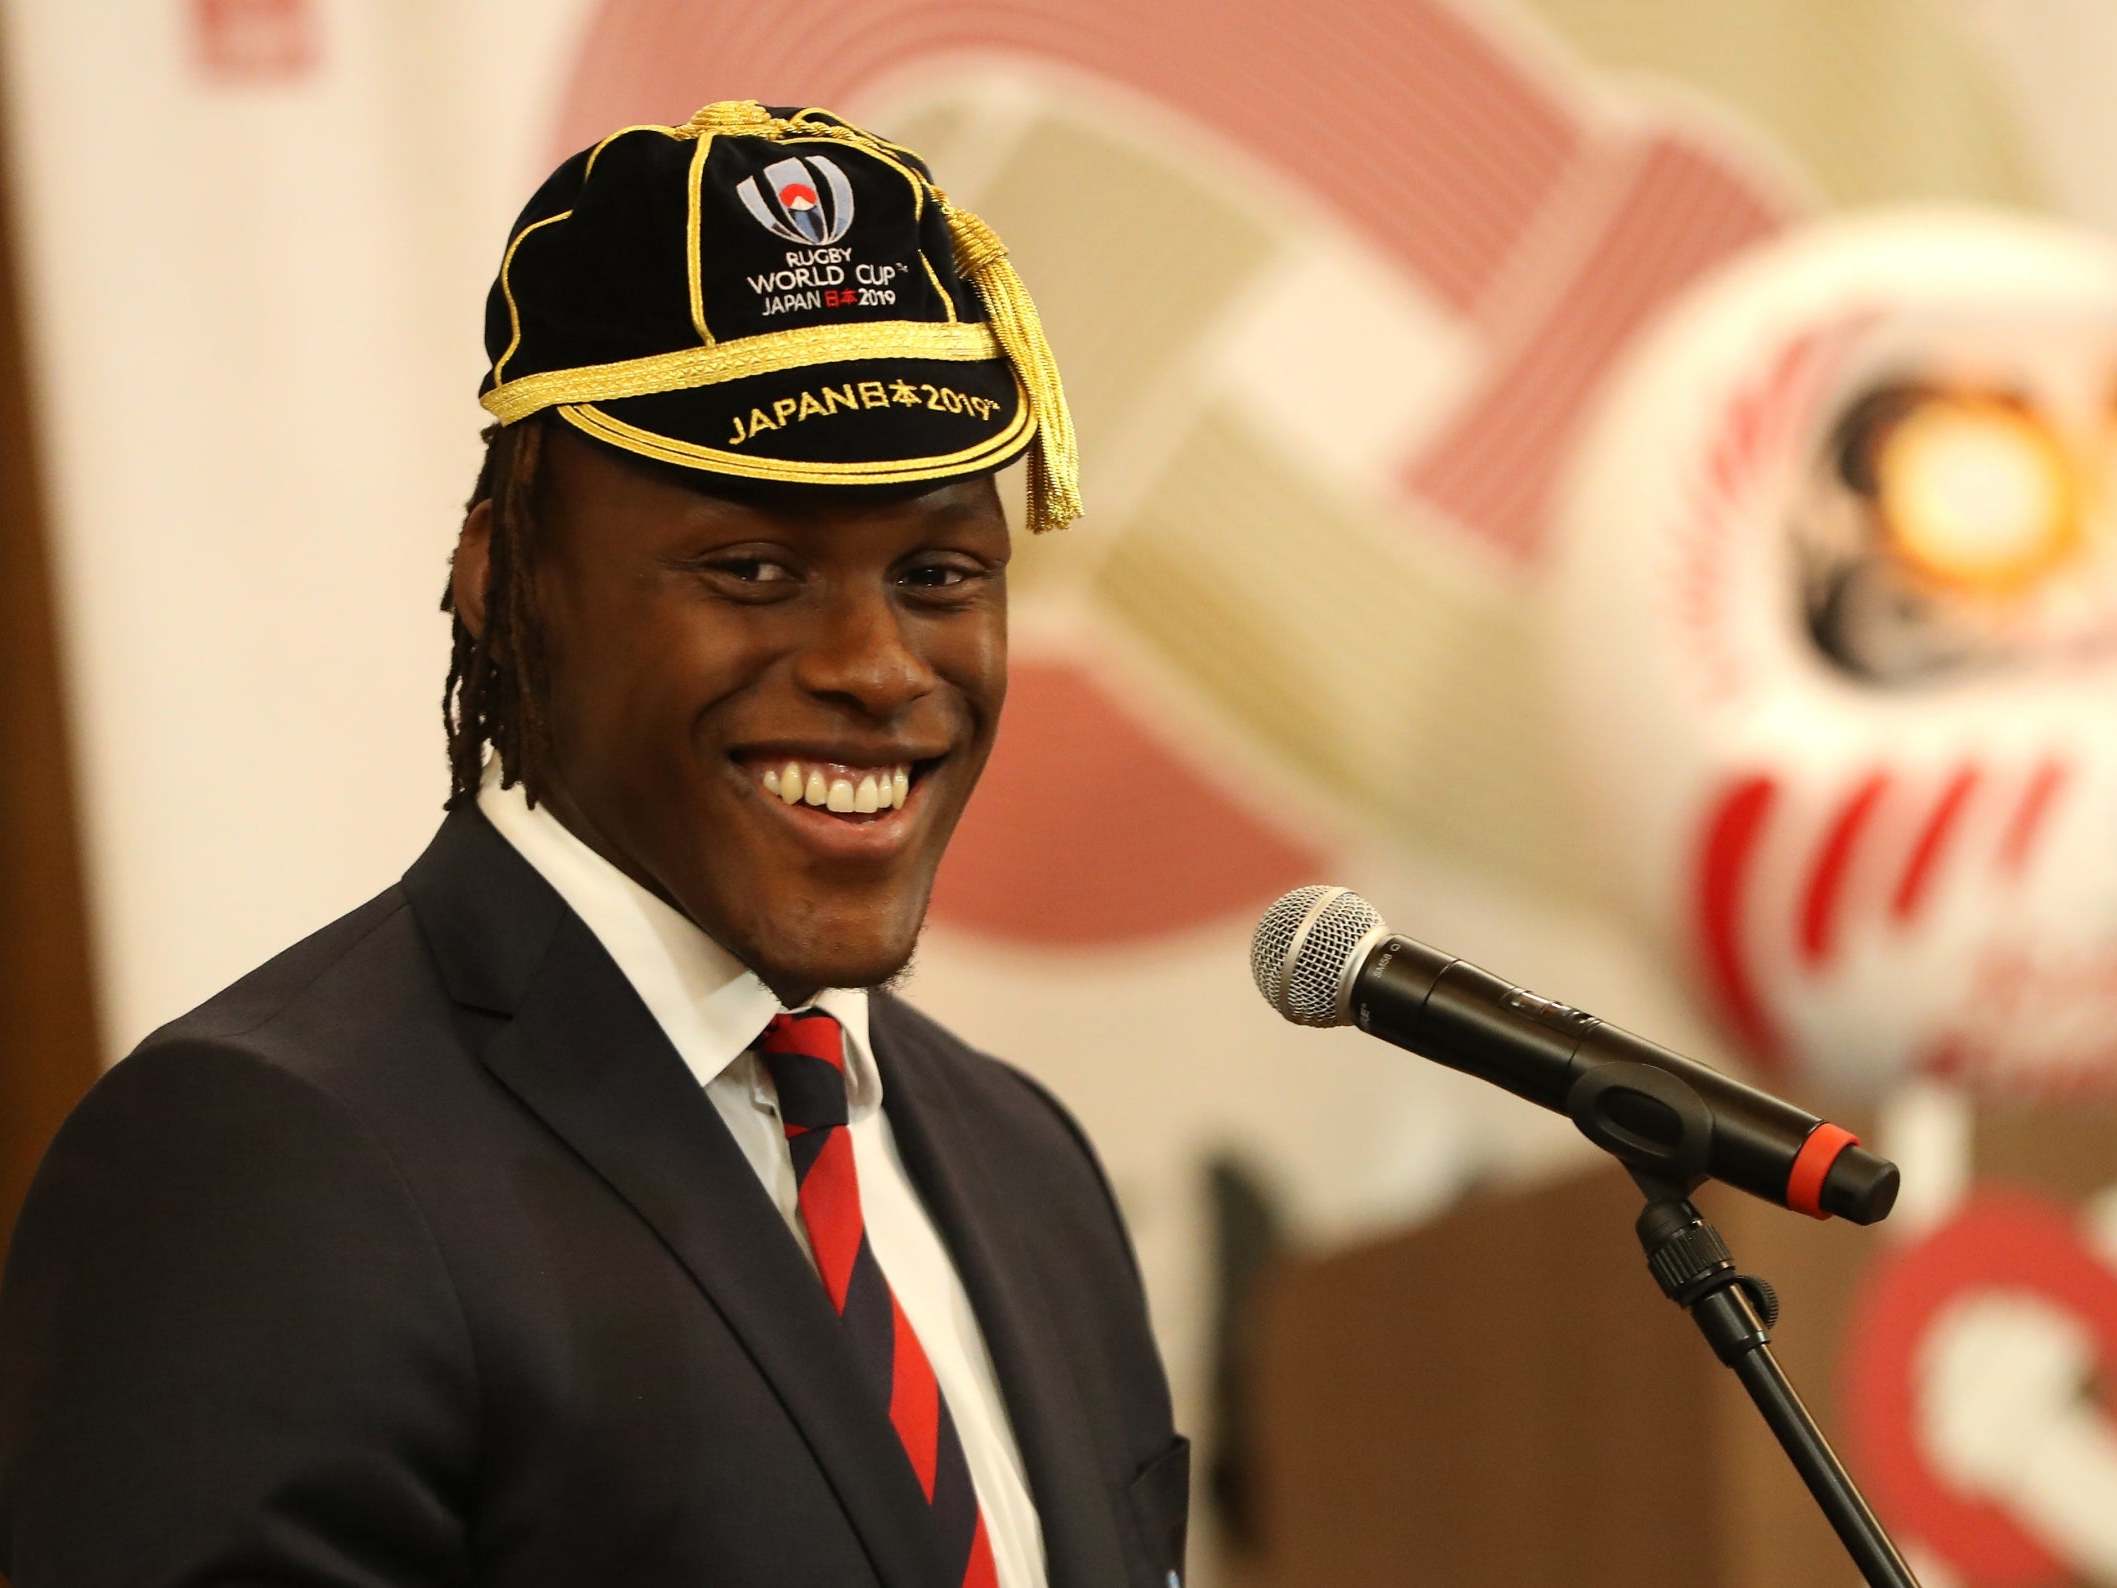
{"x": 775, "y": 295}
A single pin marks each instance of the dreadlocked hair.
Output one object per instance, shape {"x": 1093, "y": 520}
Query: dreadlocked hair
{"x": 495, "y": 690}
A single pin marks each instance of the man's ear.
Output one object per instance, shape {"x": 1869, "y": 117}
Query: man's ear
{"x": 469, "y": 568}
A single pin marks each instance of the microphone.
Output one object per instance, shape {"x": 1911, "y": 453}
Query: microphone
{"x": 1322, "y": 957}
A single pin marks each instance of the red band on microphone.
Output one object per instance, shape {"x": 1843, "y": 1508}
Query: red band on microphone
{"x": 1804, "y": 1181}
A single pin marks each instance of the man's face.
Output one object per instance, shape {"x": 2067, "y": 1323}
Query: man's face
{"x": 714, "y": 665}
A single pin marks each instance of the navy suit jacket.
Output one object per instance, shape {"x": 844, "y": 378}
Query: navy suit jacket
{"x": 419, "y": 1257}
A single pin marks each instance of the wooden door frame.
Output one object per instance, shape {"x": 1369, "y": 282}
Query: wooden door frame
{"x": 50, "y": 1046}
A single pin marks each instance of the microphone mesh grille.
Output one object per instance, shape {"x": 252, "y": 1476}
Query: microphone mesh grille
{"x": 1321, "y": 928}
{"x": 1275, "y": 935}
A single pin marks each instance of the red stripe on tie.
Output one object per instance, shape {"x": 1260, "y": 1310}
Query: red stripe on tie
{"x": 915, "y": 1401}
{"x": 813, "y": 1036}
{"x": 981, "y": 1572}
{"x": 830, "y": 1207}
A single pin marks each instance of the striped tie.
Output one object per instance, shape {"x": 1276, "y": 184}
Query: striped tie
{"x": 806, "y": 1055}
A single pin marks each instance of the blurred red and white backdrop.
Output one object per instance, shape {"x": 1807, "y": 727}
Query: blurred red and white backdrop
{"x": 1525, "y": 483}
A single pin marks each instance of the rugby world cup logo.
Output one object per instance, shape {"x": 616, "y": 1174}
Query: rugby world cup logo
{"x": 798, "y": 207}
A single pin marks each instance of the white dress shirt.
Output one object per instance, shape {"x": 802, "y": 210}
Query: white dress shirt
{"x": 712, "y": 1008}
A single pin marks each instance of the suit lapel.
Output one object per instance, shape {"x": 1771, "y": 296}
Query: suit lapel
{"x": 949, "y": 1162}
{"x": 583, "y": 1053}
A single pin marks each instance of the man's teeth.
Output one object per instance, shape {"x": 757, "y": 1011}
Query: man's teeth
{"x": 849, "y": 790}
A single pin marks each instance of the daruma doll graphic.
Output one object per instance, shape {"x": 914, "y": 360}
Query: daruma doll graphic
{"x": 1835, "y": 621}
{"x": 1795, "y": 655}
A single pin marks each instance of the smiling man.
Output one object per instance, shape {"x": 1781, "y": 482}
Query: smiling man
{"x": 579, "y": 1211}
{"x": 766, "y": 713}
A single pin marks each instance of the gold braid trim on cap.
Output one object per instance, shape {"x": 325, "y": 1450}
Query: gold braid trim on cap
{"x": 741, "y": 357}
{"x": 1055, "y": 466}
{"x": 989, "y": 453}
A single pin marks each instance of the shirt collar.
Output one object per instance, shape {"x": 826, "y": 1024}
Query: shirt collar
{"x": 710, "y": 1005}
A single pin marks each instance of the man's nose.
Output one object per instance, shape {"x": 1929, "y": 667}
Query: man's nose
{"x": 860, "y": 654}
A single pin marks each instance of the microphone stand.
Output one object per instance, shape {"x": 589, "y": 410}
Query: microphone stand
{"x": 1734, "y": 1311}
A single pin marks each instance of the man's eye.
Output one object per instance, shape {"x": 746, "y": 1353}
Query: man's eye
{"x": 753, "y": 570}
{"x": 938, "y": 575}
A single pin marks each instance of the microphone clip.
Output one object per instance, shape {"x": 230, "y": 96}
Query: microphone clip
{"x": 1647, "y": 1119}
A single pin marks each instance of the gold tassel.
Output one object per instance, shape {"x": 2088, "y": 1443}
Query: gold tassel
{"x": 1054, "y": 466}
